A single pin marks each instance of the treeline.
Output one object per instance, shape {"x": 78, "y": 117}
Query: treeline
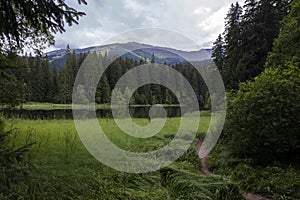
{"x": 37, "y": 80}
{"x": 241, "y": 51}
{"x": 28, "y": 78}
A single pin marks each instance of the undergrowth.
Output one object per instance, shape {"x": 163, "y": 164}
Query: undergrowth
{"x": 275, "y": 181}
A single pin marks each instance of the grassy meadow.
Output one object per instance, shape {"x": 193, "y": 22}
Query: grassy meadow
{"x": 59, "y": 167}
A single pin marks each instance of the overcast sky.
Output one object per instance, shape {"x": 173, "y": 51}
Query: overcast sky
{"x": 201, "y": 20}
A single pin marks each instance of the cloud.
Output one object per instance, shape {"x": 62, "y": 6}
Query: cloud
{"x": 201, "y": 20}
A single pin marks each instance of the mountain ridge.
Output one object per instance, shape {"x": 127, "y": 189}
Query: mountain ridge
{"x": 136, "y": 51}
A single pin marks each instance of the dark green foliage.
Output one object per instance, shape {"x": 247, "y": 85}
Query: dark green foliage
{"x": 36, "y": 80}
{"x": 32, "y": 23}
{"x": 248, "y": 38}
{"x": 273, "y": 181}
{"x": 286, "y": 46}
{"x": 263, "y": 119}
{"x": 47, "y": 81}
{"x": 13, "y": 73}
{"x": 39, "y": 80}
{"x": 232, "y": 37}
{"x": 54, "y": 89}
{"x": 114, "y": 72}
{"x": 262, "y": 125}
{"x": 104, "y": 90}
{"x": 218, "y": 53}
{"x": 260, "y": 26}
{"x": 67, "y": 77}
{"x": 13, "y": 166}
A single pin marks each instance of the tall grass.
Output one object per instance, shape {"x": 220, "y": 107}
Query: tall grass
{"x": 275, "y": 181}
{"x": 61, "y": 167}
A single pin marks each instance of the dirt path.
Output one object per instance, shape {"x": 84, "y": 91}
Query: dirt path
{"x": 250, "y": 196}
{"x": 204, "y": 170}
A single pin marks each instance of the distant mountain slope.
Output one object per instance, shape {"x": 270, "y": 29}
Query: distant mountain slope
{"x": 162, "y": 54}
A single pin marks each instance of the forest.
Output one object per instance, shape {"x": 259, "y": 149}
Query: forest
{"x": 38, "y": 80}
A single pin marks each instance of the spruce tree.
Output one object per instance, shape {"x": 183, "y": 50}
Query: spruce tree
{"x": 66, "y": 79}
{"x": 153, "y": 58}
{"x": 105, "y": 92}
{"x": 29, "y": 79}
{"x": 218, "y": 53}
{"x": 232, "y": 37}
{"x": 46, "y": 80}
{"x": 54, "y": 90}
{"x": 75, "y": 64}
{"x": 37, "y": 80}
{"x": 259, "y": 28}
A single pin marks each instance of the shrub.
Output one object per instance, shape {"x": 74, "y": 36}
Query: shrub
{"x": 263, "y": 119}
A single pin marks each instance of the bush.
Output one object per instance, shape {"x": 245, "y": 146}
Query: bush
{"x": 263, "y": 119}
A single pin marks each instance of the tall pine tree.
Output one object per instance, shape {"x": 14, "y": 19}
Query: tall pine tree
{"x": 232, "y": 37}
{"x": 66, "y": 79}
{"x": 218, "y": 53}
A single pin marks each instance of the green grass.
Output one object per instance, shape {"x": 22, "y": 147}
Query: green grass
{"x": 275, "y": 181}
{"x": 61, "y": 168}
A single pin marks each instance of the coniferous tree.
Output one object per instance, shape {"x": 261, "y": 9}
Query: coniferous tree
{"x": 66, "y": 79}
{"x": 115, "y": 72}
{"x": 35, "y": 21}
{"x": 30, "y": 64}
{"x": 37, "y": 80}
{"x": 232, "y": 37}
{"x": 55, "y": 87}
{"x": 260, "y": 26}
{"x": 90, "y": 77}
{"x": 46, "y": 81}
{"x": 74, "y": 64}
{"x": 218, "y": 53}
{"x": 286, "y": 46}
{"x": 249, "y": 38}
{"x": 105, "y": 92}
{"x": 82, "y": 56}
{"x": 153, "y": 58}
{"x": 12, "y": 80}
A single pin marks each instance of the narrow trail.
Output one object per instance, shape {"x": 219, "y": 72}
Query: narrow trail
{"x": 251, "y": 196}
{"x": 205, "y": 171}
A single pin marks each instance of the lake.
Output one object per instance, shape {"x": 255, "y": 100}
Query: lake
{"x": 135, "y": 111}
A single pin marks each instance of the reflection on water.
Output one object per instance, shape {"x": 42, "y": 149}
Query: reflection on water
{"x": 135, "y": 112}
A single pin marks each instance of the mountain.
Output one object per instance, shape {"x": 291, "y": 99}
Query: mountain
{"x": 137, "y": 51}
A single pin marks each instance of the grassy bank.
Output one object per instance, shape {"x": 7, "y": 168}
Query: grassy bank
{"x": 54, "y": 106}
{"x": 50, "y": 106}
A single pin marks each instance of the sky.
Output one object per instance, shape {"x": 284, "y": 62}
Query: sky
{"x": 200, "y": 20}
